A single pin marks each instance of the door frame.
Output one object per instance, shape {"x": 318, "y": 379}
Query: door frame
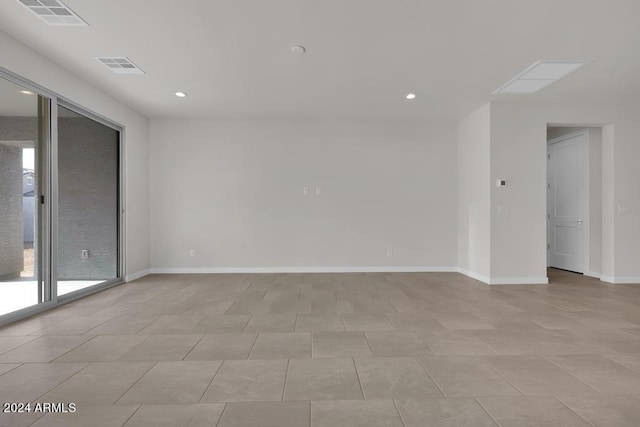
{"x": 586, "y": 217}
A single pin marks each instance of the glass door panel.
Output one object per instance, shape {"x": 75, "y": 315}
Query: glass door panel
{"x": 23, "y": 137}
{"x": 88, "y": 202}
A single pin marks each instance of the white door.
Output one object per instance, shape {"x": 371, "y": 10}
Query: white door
{"x": 567, "y": 202}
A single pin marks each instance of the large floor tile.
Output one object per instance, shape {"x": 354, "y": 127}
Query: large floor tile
{"x": 271, "y": 323}
{"x": 462, "y": 321}
{"x": 222, "y": 324}
{"x": 10, "y": 342}
{"x": 248, "y": 380}
{"x": 95, "y": 416}
{"x": 222, "y": 346}
{"x": 44, "y": 349}
{"x": 533, "y": 375}
{"x": 398, "y": 377}
{"x": 606, "y": 411}
{"x": 322, "y": 379}
{"x": 172, "y": 382}
{"x": 414, "y": 322}
{"x": 340, "y": 345}
{"x": 466, "y": 376}
{"x": 123, "y": 325}
{"x": 200, "y": 415}
{"x": 601, "y": 373}
{"x": 30, "y": 381}
{"x": 367, "y": 322}
{"x": 162, "y": 347}
{"x": 355, "y": 413}
{"x": 319, "y": 322}
{"x": 531, "y": 411}
{"x": 396, "y": 344}
{"x": 454, "y": 343}
{"x": 444, "y": 412}
{"x": 282, "y": 346}
{"x": 99, "y": 383}
{"x": 267, "y": 414}
{"x": 176, "y": 324}
{"x": 104, "y": 348}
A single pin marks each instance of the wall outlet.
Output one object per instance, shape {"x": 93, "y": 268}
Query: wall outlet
{"x": 85, "y": 254}
{"x": 305, "y": 191}
{"x": 192, "y": 252}
{"x": 390, "y": 253}
{"x": 318, "y": 190}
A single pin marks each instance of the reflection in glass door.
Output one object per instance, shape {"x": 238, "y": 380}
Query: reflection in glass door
{"x": 24, "y": 117}
{"x": 88, "y": 202}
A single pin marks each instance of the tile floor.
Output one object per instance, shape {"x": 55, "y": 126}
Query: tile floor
{"x": 434, "y": 349}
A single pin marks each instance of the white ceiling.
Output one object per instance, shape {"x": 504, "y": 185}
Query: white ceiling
{"x": 363, "y": 56}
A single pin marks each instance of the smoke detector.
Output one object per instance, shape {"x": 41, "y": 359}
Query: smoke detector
{"x": 54, "y": 12}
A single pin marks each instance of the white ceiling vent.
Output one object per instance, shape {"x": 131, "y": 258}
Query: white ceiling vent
{"x": 540, "y": 75}
{"x": 54, "y": 12}
{"x": 120, "y": 64}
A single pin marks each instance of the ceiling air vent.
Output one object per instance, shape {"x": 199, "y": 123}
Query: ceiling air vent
{"x": 54, "y": 12}
{"x": 120, "y": 65}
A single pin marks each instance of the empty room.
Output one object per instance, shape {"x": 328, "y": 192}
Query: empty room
{"x": 319, "y": 213}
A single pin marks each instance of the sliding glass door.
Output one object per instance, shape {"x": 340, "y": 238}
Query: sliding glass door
{"x": 61, "y": 198}
{"x": 24, "y": 119}
{"x": 88, "y": 202}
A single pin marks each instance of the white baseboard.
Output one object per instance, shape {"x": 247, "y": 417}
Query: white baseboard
{"x": 592, "y": 274}
{"x": 524, "y": 280}
{"x": 629, "y": 280}
{"x": 474, "y": 275}
{"x": 218, "y": 270}
{"x": 138, "y": 275}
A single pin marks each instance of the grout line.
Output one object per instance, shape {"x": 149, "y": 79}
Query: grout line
{"x": 310, "y": 414}
{"x": 253, "y": 345}
{"x": 395, "y": 404}
{"x": 431, "y": 376}
{"x": 193, "y": 347}
{"x": 286, "y": 374}
{"x": 486, "y": 410}
{"x": 569, "y": 373}
{"x": 136, "y": 382}
{"x": 366, "y": 339}
{"x": 572, "y": 410}
{"x": 211, "y": 382}
{"x": 222, "y": 413}
{"x": 132, "y": 415}
{"x": 358, "y": 377}
{"x": 500, "y": 374}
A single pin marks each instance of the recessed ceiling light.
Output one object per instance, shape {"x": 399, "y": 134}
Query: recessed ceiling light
{"x": 54, "y": 12}
{"x": 26, "y": 92}
{"x": 181, "y": 94}
{"x": 411, "y": 96}
{"x": 540, "y": 75}
{"x": 298, "y": 50}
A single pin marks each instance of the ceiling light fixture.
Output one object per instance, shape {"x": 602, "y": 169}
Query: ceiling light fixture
{"x": 26, "y": 92}
{"x": 411, "y": 96}
{"x": 298, "y": 50}
{"x": 181, "y": 94}
{"x": 54, "y": 12}
{"x": 540, "y": 75}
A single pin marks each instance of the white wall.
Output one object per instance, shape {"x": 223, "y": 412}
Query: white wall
{"x": 22, "y": 60}
{"x": 518, "y": 153}
{"x": 474, "y": 204}
{"x": 233, "y": 192}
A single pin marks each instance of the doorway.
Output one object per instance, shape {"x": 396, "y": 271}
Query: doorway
{"x": 574, "y": 199}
